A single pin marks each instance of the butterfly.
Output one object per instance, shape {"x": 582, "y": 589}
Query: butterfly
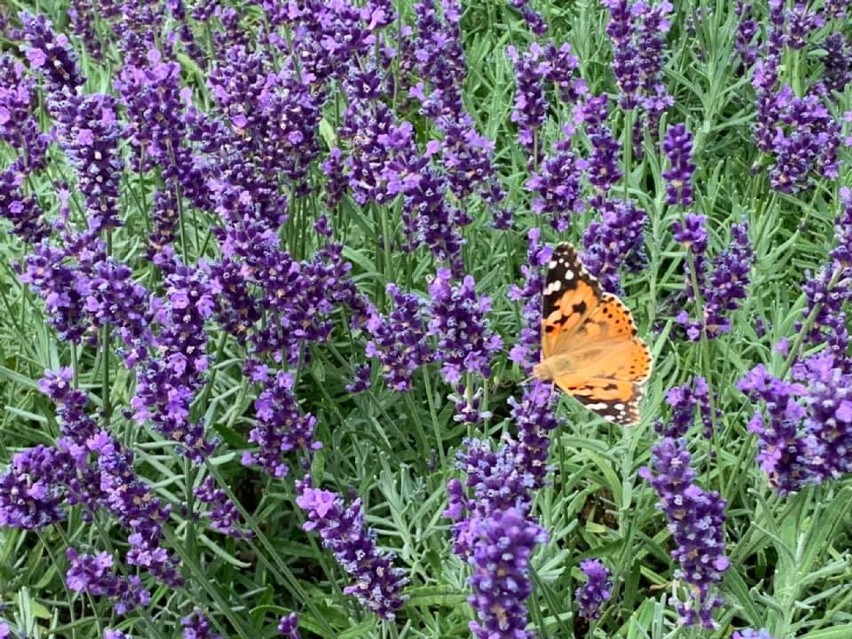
{"x": 589, "y": 343}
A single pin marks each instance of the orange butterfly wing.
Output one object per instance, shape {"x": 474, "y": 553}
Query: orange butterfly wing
{"x": 589, "y": 342}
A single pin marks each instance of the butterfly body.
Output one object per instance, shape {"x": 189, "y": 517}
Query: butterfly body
{"x": 589, "y": 343}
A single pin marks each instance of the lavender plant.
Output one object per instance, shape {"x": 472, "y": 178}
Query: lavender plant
{"x": 271, "y": 280}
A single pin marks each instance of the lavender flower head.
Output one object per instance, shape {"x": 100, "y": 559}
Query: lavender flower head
{"x": 378, "y": 584}
{"x": 496, "y": 481}
{"x": 696, "y": 520}
{"x": 288, "y": 626}
{"x": 801, "y": 136}
{"x": 596, "y": 591}
{"x": 526, "y": 352}
{"x": 466, "y": 342}
{"x": 721, "y": 290}
{"x": 398, "y": 340}
{"x": 501, "y": 574}
{"x": 557, "y": 185}
{"x": 678, "y": 149}
{"x": 534, "y": 70}
{"x": 750, "y": 633}
{"x": 197, "y": 626}
{"x": 602, "y": 170}
{"x": 615, "y": 242}
{"x": 683, "y": 401}
{"x": 282, "y": 427}
{"x": 638, "y": 31}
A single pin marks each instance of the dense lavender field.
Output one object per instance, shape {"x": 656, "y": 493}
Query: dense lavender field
{"x": 271, "y": 280}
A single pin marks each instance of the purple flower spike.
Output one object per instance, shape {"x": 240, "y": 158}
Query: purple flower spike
{"x": 466, "y": 342}
{"x": 728, "y": 282}
{"x": 596, "y": 591}
{"x": 526, "y": 352}
{"x": 288, "y": 626}
{"x": 31, "y": 496}
{"x": 89, "y": 133}
{"x": 841, "y": 254}
{"x": 837, "y": 63}
{"x": 615, "y": 242}
{"x": 805, "y": 142}
{"x": 602, "y": 170}
{"x": 725, "y": 286}
{"x": 282, "y": 428}
{"x": 749, "y": 633}
{"x": 535, "y": 69}
{"x": 557, "y": 186}
{"x": 501, "y": 574}
{"x": 678, "y": 148}
{"x": 747, "y": 30}
{"x": 691, "y": 232}
{"x": 638, "y": 31}
{"x": 696, "y": 520}
{"x": 378, "y": 585}
{"x": 535, "y": 420}
{"x": 52, "y": 54}
{"x": 197, "y": 626}
{"x": 223, "y": 514}
{"x": 683, "y": 400}
{"x": 398, "y": 340}
{"x": 94, "y": 575}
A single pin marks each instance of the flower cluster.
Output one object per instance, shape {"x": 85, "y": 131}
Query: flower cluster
{"x": 557, "y": 184}
{"x": 797, "y": 131}
{"x": 398, "y": 340}
{"x": 52, "y": 55}
{"x": 677, "y": 146}
{"x": 378, "y": 585}
{"x": 288, "y": 626}
{"x": 535, "y": 69}
{"x": 495, "y": 481}
{"x": 492, "y": 527}
{"x": 828, "y": 291}
{"x": 746, "y": 34}
{"x": 525, "y": 353}
{"x": 750, "y": 633}
{"x": 806, "y": 435}
{"x": 197, "y": 626}
{"x": 166, "y": 384}
{"x": 501, "y": 573}
{"x": 837, "y": 65}
{"x": 95, "y": 575}
{"x": 90, "y": 468}
{"x": 696, "y": 520}
{"x": 222, "y": 513}
{"x": 457, "y": 314}
{"x": 683, "y": 401}
{"x": 722, "y": 289}
{"x": 596, "y": 591}
{"x": 602, "y": 170}
{"x": 282, "y": 427}
{"x": 638, "y": 30}
{"x": 615, "y": 242}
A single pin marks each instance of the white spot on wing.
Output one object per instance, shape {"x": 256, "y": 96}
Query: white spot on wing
{"x": 553, "y": 287}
